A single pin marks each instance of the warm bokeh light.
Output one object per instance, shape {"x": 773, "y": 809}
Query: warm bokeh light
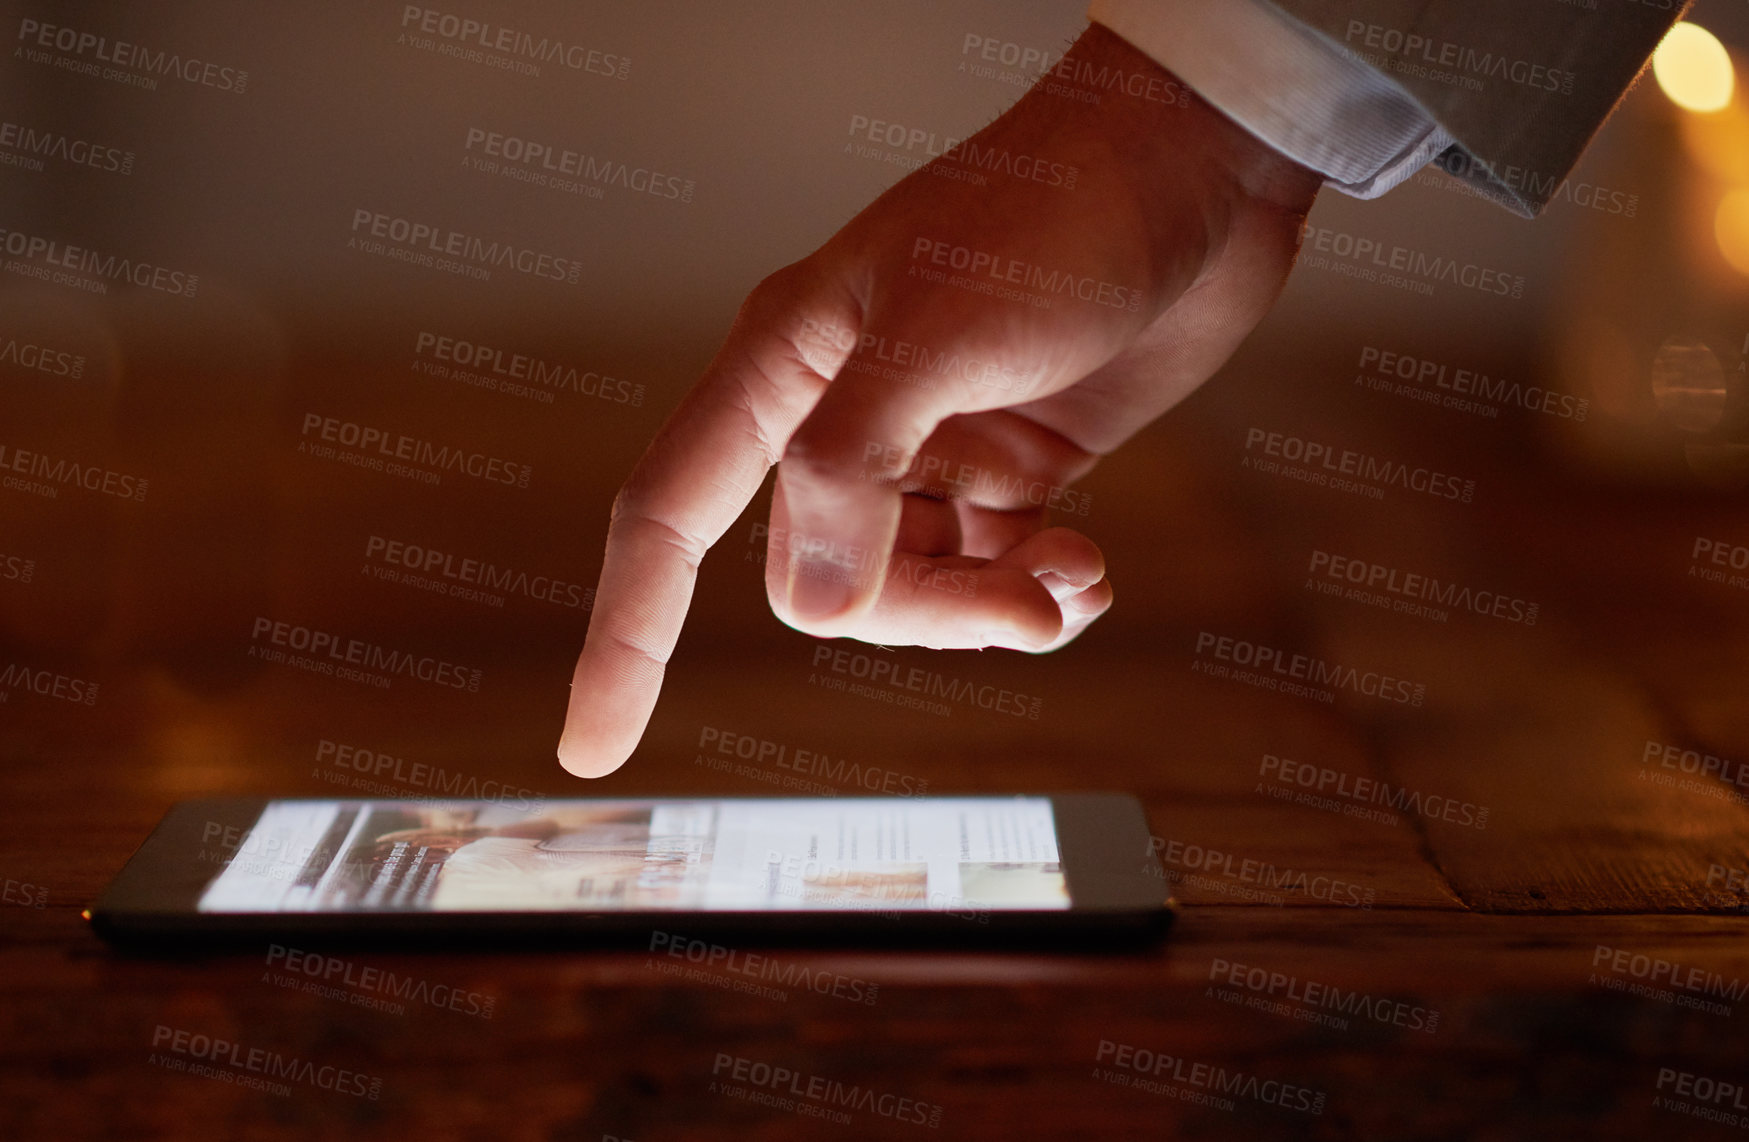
{"x": 1693, "y": 68}
{"x": 1731, "y": 226}
{"x": 1689, "y": 384}
{"x": 1719, "y": 142}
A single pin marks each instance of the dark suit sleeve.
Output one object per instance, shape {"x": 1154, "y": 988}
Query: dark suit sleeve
{"x": 1522, "y": 85}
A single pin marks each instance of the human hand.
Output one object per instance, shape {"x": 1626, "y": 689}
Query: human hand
{"x": 940, "y": 369}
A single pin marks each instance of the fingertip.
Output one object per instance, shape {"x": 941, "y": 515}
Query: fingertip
{"x": 1079, "y": 609}
{"x": 1033, "y": 625}
{"x": 1094, "y": 600}
{"x": 589, "y": 748}
{"x": 581, "y": 761}
{"x": 1073, "y": 560}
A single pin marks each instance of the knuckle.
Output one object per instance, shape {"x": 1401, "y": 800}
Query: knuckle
{"x": 775, "y": 294}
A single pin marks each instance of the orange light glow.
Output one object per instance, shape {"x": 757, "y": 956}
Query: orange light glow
{"x": 1719, "y": 142}
{"x": 1731, "y": 227}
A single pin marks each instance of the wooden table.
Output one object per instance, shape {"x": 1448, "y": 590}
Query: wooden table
{"x": 1576, "y": 967}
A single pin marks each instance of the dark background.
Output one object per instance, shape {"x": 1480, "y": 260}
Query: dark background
{"x": 1630, "y": 308}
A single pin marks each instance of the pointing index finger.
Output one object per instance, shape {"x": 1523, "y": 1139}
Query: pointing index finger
{"x": 696, "y": 478}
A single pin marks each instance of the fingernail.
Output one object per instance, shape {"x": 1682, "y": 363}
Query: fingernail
{"x": 819, "y": 590}
{"x": 1059, "y": 587}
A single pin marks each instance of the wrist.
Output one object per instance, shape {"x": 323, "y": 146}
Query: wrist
{"x": 1167, "y": 138}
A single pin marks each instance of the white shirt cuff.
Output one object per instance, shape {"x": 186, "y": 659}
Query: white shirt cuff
{"x": 1287, "y": 85}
